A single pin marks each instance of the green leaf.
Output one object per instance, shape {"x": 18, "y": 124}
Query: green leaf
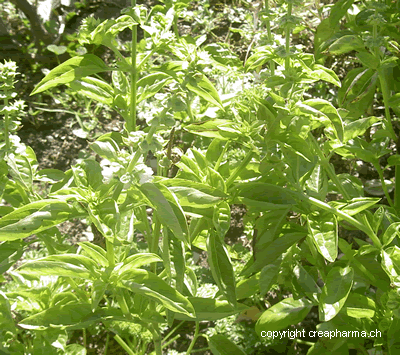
{"x": 324, "y": 233}
{"x": 326, "y": 109}
{"x": 393, "y": 336}
{"x": 34, "y": 218}
{"x": 169, "y": 211}
{"x": 248, "y": 287}
{"x": 359, "y": 306}
{"x": 357, "y": 128}
{"x": 208, "y": 309}
{"x": 50, "y": 175}
{"x": 368, "y": 60}
{"x": 268, "y": 276}
{"x": 391, "y": 263}
{"x": 10, "y": 253}
{"x": 346, "y": 44}
{"x": 283, "y": 314}
{"x": 191, "y": 193}
{"x": 221, "y": 267}
{"x": 73, "y": 69}
{"x": 22, "y": 166}
{"x": 106, "y": 149}
{"x": 153, "y": 287}
{"x": 120, "y": 82}
{"x": 39, "y": 268}
{"x": 338, "y": 284}
{"x": 394, "y": 100}
{"x": 305, "y": 281}
{"x": 326, "y": 74}
{"x": 136, "y": 261}
{"x": 6, "y": 317}
{"x": 216, "y": 128}
{"x": 70, "y": 316}
{"x": 221, "y": 345}
{"x": 205, "y": 89}
{"x": 57, "y": 50}
{"x": 390, "y": 233}
{"x": 93, "y": 88}
{"x": 272, "y": 252}
{"x": 259, "y": 191}
{"x": 358, "y": 204}
{"x": 75, "y": 349}
{"x": 151, "y": 84}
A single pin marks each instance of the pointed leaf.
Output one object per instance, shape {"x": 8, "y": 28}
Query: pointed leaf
{"x": 221, "y": 345}
{"x": 208, "y": 309}
{"x": 153, "y": 287}
{"x": 221, "y": 267}
{"x": 287, "y": 312}
{"x": 324, "y": 233}
{"x": 205, "y": 89}
{"x": 34, "y": 218}
{"x": 338, "y": 284}
{"x": 73, "y": 69}
{"x": 169, "y": 211}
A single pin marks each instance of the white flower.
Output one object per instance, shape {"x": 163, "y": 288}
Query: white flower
{"x": 144, "y": 173}
{"x": 108, "y": 170}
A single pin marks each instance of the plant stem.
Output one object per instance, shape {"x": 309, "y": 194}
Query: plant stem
{"x": 124, "y": 345}
{"x": 107, "y": 342}
{"x": 131, "y": 124}
{"x": 110, "y": 253}
{"x": 153, "y": 268}
{"x": 171, "y": 341}
{"x": 388, "y": 121}
{"x": 384, "y": 187}
{"x": 84, "y": 338}
{"x": 240, "y": 168}
{"x": 173, "y": 330}
{"x": 218, "y": 163}
{"x": 6, "y": 124}
{"x": 195, "y": 336}
{"x": 268, "y": 25}
{"x": 332, "y": 175}
{"x": 288, "y": 32}
{"x": 324, "y": 206}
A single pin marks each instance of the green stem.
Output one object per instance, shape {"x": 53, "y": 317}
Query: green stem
{"x": 122, "y": 303}
{"x": 287, "y": 39}
{"x": 143, "y": 61}
{"x": 134, "y": 160}
{"x": 198, "y": 350}
{"x": 107, "y": 343}
{"x": 240, "y": 168}
{"x": 397, "y": 188}
{"x": 124, "y": 345}
{"x": 147, "y": 225}
{"x": 309, "y": 343}
{"x": 196, "y": 335}
{"x": 131, "y": 124}
{"x": 218, "y": 163}
{"x": 332, "y": 175}
{"x": 388, "y": 122}
{"x": 84, "y": 338}
{"x": 384, "y": 187}
{"x": 328, "y": 167}
{"x": 173, "y": 330}
{"x": 153, "y": 268}
{"x": 386, "y": 96}
{"x": 324, "y": 206}
{"x": 164, "y": 345}
{"x": 110, "y": 253}
{"x": 268, "y": 25}
{"x": 6, "y": 124}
